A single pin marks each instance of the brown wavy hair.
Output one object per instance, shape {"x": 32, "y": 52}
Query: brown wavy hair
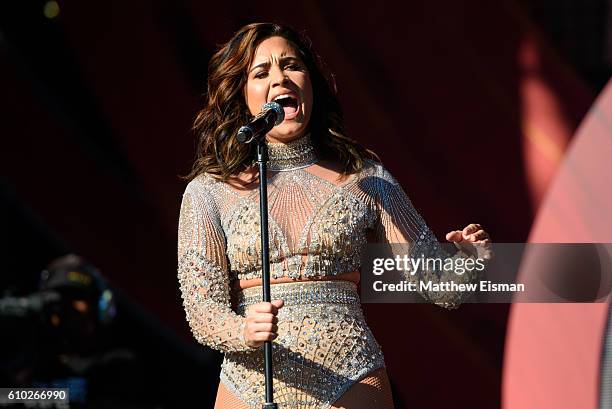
{"x": 218, "y": 152}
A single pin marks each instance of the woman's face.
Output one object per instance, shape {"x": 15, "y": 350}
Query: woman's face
{"x": 278, "y": 74}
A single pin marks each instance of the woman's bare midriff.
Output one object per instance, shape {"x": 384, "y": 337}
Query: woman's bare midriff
{"x": 242, "y": 284}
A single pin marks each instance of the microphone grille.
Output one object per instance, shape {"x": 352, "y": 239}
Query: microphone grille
{"x": 280, "y": 112}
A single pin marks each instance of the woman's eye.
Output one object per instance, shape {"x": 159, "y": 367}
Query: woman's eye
{"x": 293, "y": 67}
{"x": 261, "y": 74}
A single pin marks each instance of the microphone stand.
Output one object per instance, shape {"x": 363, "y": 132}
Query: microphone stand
{"x": 262, "y": 161}
{"x": 256, "y": 132}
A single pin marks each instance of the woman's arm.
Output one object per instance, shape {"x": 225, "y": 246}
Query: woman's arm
{"x": 203, "y": 274}
{"x": 400, "y": 225}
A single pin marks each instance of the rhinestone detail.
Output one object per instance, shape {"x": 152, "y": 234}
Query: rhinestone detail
{"x": 293, "y": 155}
{"x": 324, "y": 346}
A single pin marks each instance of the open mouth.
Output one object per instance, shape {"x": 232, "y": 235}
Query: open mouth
{"x": 289, "y": 103}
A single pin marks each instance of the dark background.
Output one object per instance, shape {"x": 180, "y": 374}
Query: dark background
{"x": 469, "y": 104}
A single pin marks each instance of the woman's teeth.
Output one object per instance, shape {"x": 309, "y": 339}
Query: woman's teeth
{"x": 289, "y": 103}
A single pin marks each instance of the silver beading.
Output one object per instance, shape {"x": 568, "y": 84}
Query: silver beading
{"x": 293, "y": 155}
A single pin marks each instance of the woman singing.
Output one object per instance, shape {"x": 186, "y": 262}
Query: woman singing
{"x": 328, "y": 197}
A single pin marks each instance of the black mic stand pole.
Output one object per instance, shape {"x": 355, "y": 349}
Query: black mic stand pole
{"x": 247, "y": 134}
{"x": 262, "y": 161}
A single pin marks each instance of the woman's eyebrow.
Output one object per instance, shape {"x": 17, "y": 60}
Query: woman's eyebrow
{"x": 290, "y": 58}
{"x": 282, "y": 61}
{"x": 263, "y": 64}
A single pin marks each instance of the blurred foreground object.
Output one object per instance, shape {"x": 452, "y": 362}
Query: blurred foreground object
{"x": 69, "y": 342}
{"x": 553, "y": 356}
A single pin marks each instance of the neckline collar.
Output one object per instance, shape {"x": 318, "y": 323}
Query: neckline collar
{"x": 293, "y": 155}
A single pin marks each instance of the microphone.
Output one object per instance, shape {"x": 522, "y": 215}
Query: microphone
{"x": 271, "y": 115}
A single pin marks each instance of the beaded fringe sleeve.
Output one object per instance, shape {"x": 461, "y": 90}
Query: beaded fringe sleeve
{"x": 203, "y": 276}
{"x": 400, "y": 223}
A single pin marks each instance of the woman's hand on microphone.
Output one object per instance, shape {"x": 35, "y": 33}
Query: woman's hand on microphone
{"x": 261, "y": 323}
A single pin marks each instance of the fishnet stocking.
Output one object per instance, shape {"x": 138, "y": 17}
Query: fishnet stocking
{"x": 372, "y": 392}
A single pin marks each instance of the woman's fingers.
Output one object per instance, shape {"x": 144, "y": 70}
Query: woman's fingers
{"x": 260, "y": 337}
{"x": 263, "y": 327}
{"x": 256, "y": 333}
{"x": 278, "y": 303}
{"x": 470, "y": 229}
{"x": 262, "y": 318}
{"x": 471, "y": 233}
{"x": 454, "y": 236}
{"x": 266, "y": 307}
{"x": 479, "y": 235}
{"x": 261, "y": 322}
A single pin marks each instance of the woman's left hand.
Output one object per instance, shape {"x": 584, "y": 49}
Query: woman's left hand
{"x": 473, "y": 239}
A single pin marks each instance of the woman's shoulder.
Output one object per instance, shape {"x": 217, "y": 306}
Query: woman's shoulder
{"x": 376, "y": 171}
{"x": 202, "y": 181}
{"x": 203, "y": 187}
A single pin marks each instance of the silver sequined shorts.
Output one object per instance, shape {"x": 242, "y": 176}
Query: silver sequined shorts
{"x": 323, "y": 346}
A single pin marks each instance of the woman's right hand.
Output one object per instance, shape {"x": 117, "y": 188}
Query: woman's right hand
{"x": 261, "y": 323}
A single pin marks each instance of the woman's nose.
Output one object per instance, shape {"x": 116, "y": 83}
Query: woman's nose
{"x": 278, "y": 77}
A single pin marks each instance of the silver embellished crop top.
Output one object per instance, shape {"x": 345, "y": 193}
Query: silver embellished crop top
{"x": 316, "y": 229}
